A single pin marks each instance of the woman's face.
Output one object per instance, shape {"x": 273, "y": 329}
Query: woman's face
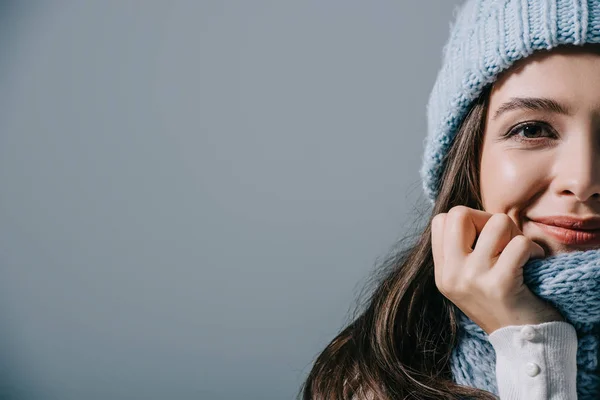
{"x": 549, "y": 165}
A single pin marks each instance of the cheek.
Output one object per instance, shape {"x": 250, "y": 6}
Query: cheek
{"x": 509, "y": 178}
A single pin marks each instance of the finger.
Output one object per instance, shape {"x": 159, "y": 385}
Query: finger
{"x": 494, "y": 237}
{"x": 462, "y": 226}
{"x": 514, "y": 256}
{"x": 437, "y": 240}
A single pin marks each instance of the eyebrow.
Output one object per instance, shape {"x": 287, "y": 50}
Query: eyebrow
{"x": 533, "y": 104}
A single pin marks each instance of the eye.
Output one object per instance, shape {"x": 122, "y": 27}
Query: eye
{"x": 531, "y": 132}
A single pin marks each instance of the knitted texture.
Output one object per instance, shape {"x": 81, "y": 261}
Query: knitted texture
{"x": 487, "y": 37}
{"x": 571, "y": 283}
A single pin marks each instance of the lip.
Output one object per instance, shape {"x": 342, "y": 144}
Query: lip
{"x": 563, "y": 221}
{"x": 570, "y": 231}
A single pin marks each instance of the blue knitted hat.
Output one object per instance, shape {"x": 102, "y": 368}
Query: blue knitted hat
{"x": 487, "y": 37}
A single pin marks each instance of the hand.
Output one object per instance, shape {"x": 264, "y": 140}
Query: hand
{"x": 486, "y": 283}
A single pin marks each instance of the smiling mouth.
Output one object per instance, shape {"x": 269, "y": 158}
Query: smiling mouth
{"x": 571, "y": 236}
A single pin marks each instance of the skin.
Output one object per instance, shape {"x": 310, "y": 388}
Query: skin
{"x": 551, "y": 168}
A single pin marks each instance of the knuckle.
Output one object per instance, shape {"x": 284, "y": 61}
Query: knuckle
{"x": 459, "y": 212}
{"x": 438, "y": 220}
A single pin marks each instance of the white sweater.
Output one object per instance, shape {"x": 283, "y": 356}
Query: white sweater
{"x": 533, "y": 362}
{"x": 536, "y": 362}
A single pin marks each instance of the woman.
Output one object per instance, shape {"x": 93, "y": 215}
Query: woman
{"x": 512, "y": 167}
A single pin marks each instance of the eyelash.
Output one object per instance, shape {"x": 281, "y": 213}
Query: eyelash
{"x": 512, "y": 133}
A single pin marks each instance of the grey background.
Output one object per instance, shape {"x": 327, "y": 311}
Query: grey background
{"x": 194, "y": 192}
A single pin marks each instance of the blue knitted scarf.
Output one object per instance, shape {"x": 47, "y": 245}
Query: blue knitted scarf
{"x": 571, "y": 283}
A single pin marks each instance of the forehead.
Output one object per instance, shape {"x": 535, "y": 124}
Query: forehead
{"x": 570, "y": 74}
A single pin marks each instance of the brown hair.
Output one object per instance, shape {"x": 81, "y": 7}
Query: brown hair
{"x": 401, "y": 343}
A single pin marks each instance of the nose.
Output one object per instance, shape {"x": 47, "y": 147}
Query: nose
{"x": 578, "y": 172}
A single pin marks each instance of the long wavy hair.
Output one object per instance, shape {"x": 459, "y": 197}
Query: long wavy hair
{"x": 400, "y": 340}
